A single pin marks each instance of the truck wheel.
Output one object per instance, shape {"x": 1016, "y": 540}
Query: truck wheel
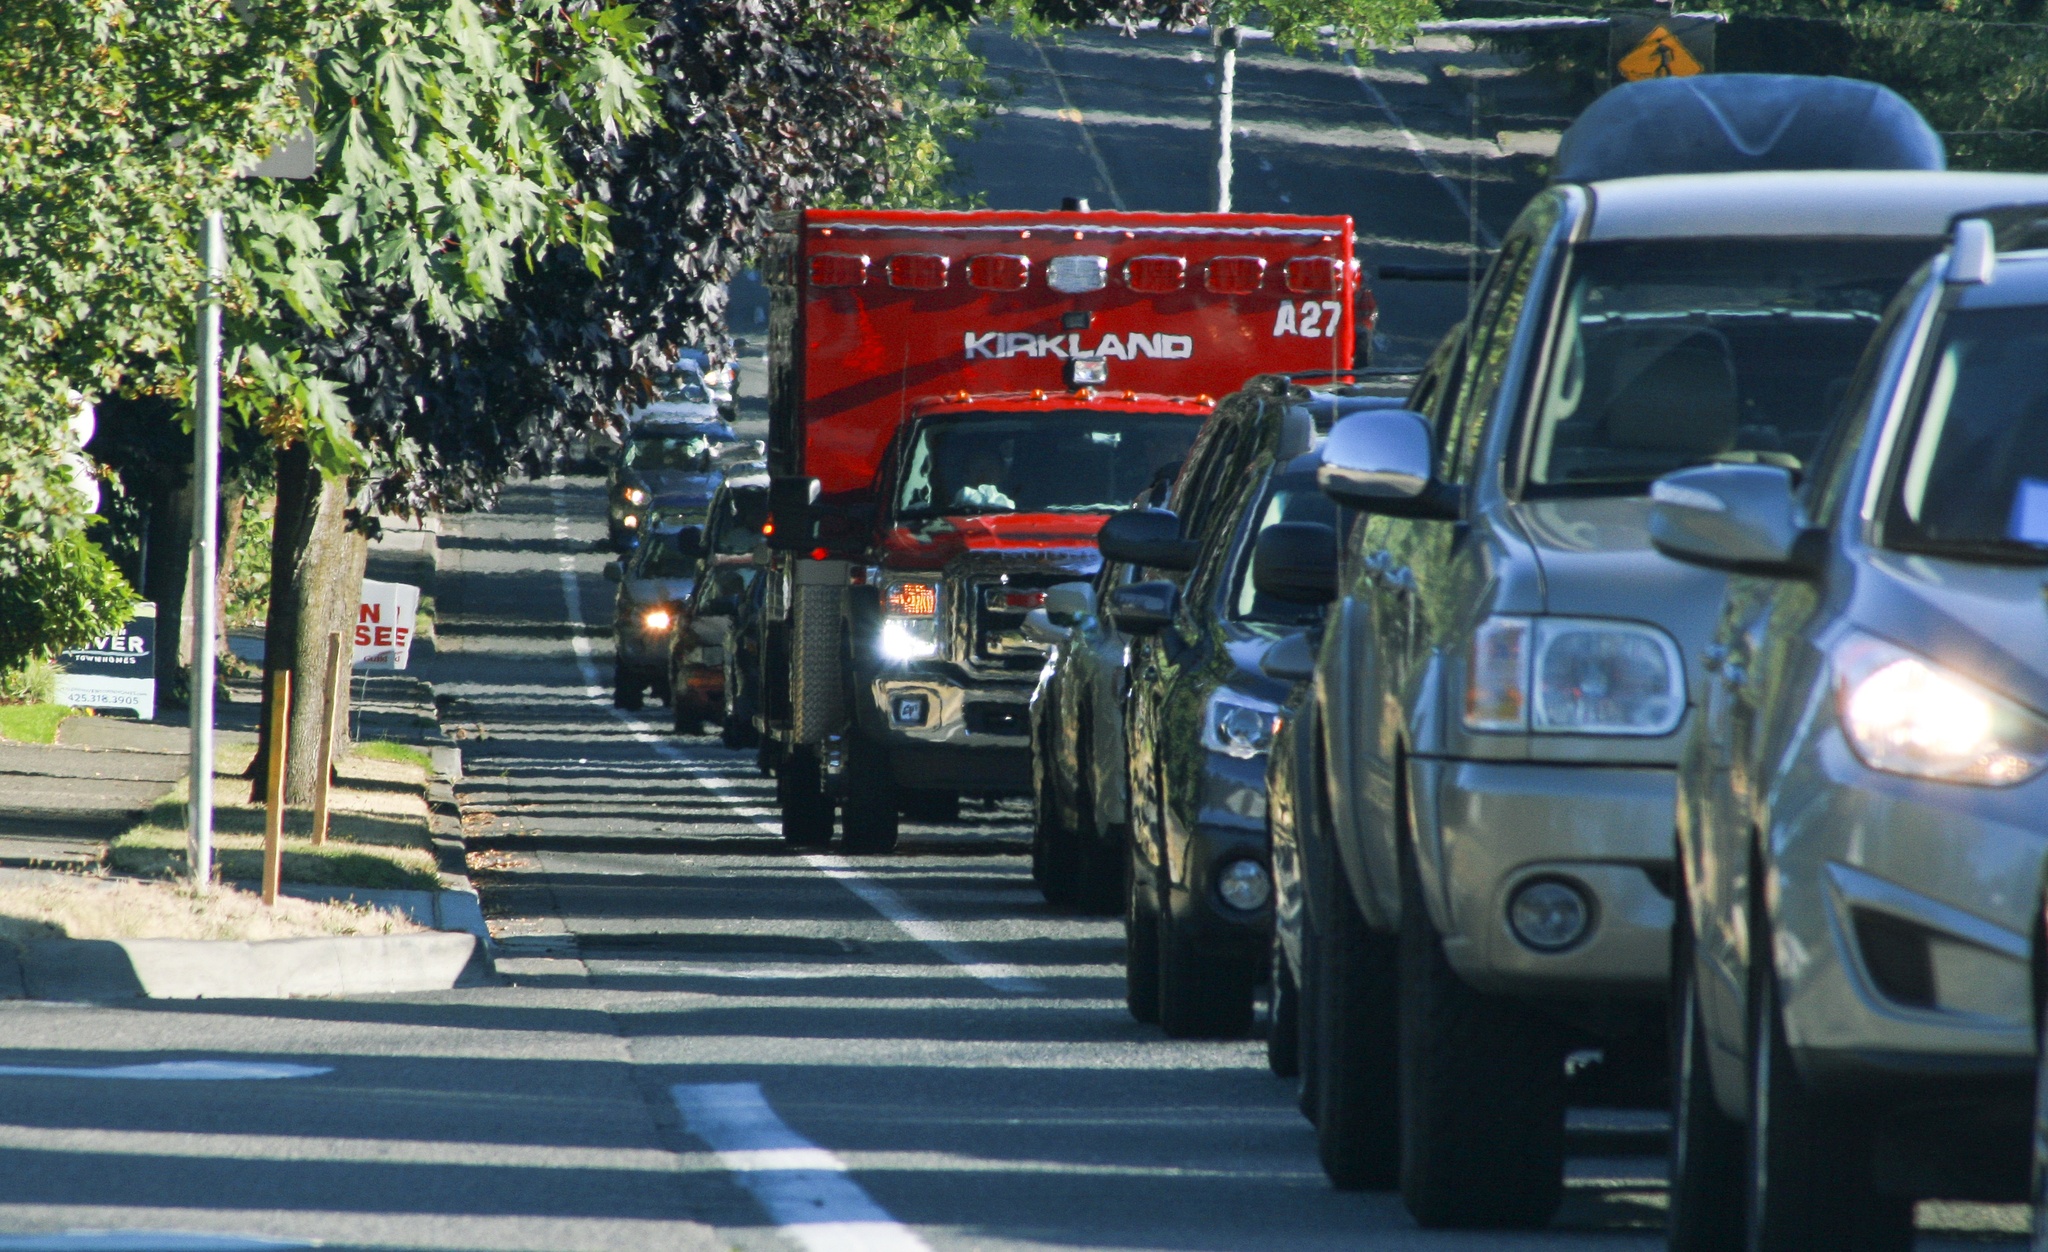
{"x": 868, "y": 822}
{"x": 1283, "y": 1019}
{"x": 1141, "y": 944}
{"x": 625, "y": 688}
{"x": 1809, "y": 1182}
{"x": 1482, "y": 1092}
{"x": 1203, "y": 994}
{"x": 938, "y": 808}
{"x": 800, "y": 792}
{"x": 1705, "y": 1210}
{"x": 1354, "y": 1051}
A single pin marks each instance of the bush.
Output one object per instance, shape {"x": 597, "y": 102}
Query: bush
{"x": 34, "y": 682}
{"x": 58, "y": 596}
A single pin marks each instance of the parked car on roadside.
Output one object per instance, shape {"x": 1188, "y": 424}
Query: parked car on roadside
{"x": 1862, "y": 812}
{"x": 654, "y": 579}
{"x": 668, "y": 467}
{"x": 1508, "y": 672}
{"x": 1199, "y": 715}
{"x": 703, "y": 627}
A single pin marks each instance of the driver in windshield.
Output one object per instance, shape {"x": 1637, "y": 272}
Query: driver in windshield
{"x": 987, "y": 467}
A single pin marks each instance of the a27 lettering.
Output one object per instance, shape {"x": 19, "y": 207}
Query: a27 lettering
{"x": 1309, "y": 319}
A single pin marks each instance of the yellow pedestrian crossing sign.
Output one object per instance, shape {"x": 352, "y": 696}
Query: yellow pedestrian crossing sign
{"x": 1660, "y": 47}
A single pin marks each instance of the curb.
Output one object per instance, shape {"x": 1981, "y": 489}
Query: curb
{"x": 210, "y": 969}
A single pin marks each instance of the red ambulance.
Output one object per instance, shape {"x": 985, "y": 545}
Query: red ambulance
{"x": 956, "y": 402}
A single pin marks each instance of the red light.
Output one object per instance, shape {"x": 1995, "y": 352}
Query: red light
{"x": 1234, "y": 275}
{"x": 1315, "y": 274}
{"x": 912, "y": 599}
{"x": 1155, "y": 275}
{"x": 1024, "y": 601}
{"x": 998, "y": 271}
{"x": 838, "y": 269}
{"x": 918, "y": 271}
{"x": 818, "y": 554}
{"x": 1366, "y": 307}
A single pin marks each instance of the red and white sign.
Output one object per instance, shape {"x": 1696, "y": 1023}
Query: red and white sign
{"x": 384, "y": 625}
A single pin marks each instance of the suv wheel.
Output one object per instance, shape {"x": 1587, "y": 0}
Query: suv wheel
{"x": 1482, "y": 1092}
{"x": 1098, "y": 867}
{"x": 1283, "y": 1019}
{"x": 1053, "y": 859}
{"x": 1203, "y": 994}
{"x": 1355, "y": 1058}
{"x": 1141, "y": 942}
{"x": 868, "y": 823}
{"x": 1705, "y": 1213}
{"x": 800, "y": 793}
{"x": 1809, "y": 1183}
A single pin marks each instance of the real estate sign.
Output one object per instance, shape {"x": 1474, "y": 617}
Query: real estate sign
{"x": 384, "y": 625}
{"x": 115, "y": 672}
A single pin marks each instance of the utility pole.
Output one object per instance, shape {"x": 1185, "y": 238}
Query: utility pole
{"x": 1225, "y": 39}
{"x": 205, "y": 538}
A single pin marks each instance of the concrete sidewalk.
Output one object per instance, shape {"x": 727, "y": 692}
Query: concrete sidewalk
{"x": 61, "y": 803}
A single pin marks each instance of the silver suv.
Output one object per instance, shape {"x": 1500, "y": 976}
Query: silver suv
{"x": 1509, "y": 670}
{"x": 1861, "y": 805}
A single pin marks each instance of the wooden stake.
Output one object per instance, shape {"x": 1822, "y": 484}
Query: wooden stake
{"x": 330, "y": 709}
{"x": 273, "y": 822}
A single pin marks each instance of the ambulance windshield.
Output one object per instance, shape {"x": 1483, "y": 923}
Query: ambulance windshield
{"x": 1061, "y": 462}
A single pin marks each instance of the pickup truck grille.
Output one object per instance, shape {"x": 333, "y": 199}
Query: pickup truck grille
{"x": 999, "y": 609}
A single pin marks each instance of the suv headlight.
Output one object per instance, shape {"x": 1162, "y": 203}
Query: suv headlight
{"x": 1573, "y": 676}
{"x": 1906, "y": 715}
{"x": 1238, "y": 725}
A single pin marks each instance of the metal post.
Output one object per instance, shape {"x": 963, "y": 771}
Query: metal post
{"x": 273, "y": 816}
{"x": 205, "y": 560}
{"x": 331, "y": 692}
{"x": 1226, "y": 41}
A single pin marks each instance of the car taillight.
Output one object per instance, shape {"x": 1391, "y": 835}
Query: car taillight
{"x": 1155, "y": 275}
{"x": 998, "y": 271}
{"x": 1234, "y": 275}
{"x": 1315, "y": 275}
{"x": 838, "y": 269}
{"x": 1015, "y": 601}
{"x": 918, "y": 271}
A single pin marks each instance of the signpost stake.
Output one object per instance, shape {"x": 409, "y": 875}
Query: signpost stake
{"x": 205, "y": 538}
{"x": 273, "y": 817}
{"x": 332, "y": 694}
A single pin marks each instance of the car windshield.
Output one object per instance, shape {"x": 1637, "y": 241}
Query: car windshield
{"x": 681, "y": 387}
{"x": 668, "y": 452}
{"x": 1673, "y": 352}
{"x": 1972, "y": 480}
{"x": 1037, "y": 462}
{"x": 1289, "y": 498}
{"x": 738, "y": 521}
{"x": 660, "y": 557}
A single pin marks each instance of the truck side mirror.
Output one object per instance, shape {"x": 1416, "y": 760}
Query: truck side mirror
{"x": 1149, "y": 538}
{"x": 1296, "y": 562}
{"x": 1143, "y": 608}
{"x": 1743, "y": 519}
{"x": 1067, "y": 603}
{"x": 792, "y": 514}
{"x": 1039, "y": 627}
{"x": 1384, "y": 461}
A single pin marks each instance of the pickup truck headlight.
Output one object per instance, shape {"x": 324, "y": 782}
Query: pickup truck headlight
{"x": 907, "y": 640}
{"x": 1573, "y": 676}
{"x": 1906, "y": 715}
{"x": 1238, "y": 725}
{"x": 657, "y": 619}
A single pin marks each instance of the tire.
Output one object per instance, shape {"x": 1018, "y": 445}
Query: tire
{"x": 1355, "y": 1048}
{"x": 868, "y": 822}
{"x": 1141, "y": 944}
{"x": 1203, "y": 994}
{"x": 1283, "y": 1019}
{"x": 1308, "y": 1091}
{"x": 738, "y": 732}
{"x": 688, "y": 719}
{"x": 626, "y": 689}
{"x": 1706, "y": 1201}
{"x": 800, "y": 793}
{"x": 1098, "y": 863}
{"x": 1054, "y": 860}
{"x": 1482, "y": 1092}
{"x": 1810, "y": 1182}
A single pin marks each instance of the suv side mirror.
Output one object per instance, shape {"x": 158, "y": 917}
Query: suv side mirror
{"x": 1384, "y": 461}
{"x": 792, "y": 513}
{"x": 1291, "y": 660}
{"x": 1740, "y": 518}
{"x": 1067, "y": 603}
{"x": 1296, "y": 562}
{"x": 1148, "y": 538}
{"x": 614, "y": 571}
{"x": 1143, "y": 608}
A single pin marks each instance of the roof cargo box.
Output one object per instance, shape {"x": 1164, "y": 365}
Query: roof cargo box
{"x": 1731, "y": 123}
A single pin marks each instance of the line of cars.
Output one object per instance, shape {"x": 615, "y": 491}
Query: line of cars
{"x": 1656, "y": 704}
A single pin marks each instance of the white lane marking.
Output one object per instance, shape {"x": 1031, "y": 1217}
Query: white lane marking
{"x": 172, "y": 1071}
{"x": 141, "y": 1241}
{"x": 1421, "y": 154}
{"x": 1008, "y": 978}
{"x": 805, "y": 1189}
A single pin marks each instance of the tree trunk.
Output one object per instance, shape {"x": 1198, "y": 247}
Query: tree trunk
{"x": 312, "y": 557}
{"x": 167, "y": 561}
{"x": 231, "y": 513}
